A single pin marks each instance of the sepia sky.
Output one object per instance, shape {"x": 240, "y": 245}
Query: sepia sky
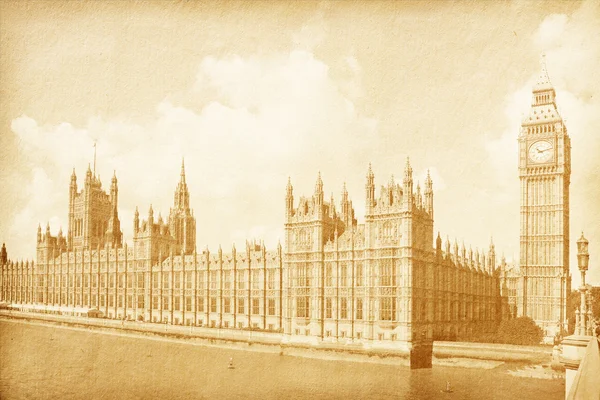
{"x": 251, "y": 93}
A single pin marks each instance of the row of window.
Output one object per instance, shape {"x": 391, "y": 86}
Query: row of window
{"x": 302, "y": 275}
{"x": 176, "y": 279}
{"x": 163, "y": 303}
{"x": 387, "y": 308}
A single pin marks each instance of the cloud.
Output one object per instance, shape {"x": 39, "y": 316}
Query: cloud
{"x": 270, "y": 117}
{"x": 572, "y": 57}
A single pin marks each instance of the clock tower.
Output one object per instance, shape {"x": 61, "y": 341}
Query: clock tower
{"x": 544, "y": 172}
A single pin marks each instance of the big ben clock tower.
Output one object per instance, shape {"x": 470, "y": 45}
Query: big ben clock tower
{"x": 544, "y": 172}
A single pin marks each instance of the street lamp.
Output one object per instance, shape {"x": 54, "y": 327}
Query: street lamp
{"x": 583, "y": 259}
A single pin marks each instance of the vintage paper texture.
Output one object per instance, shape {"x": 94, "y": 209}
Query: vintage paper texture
{"x": 251, "y": 93}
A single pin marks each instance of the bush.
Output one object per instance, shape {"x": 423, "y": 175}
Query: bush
{"x": 522, "y": 330}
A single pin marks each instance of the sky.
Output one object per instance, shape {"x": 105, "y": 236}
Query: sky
{"x": 251, "y": 93}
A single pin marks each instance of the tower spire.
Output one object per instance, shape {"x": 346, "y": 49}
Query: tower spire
{"x": 543, "y": 81}
{"x": 182, "y": 170}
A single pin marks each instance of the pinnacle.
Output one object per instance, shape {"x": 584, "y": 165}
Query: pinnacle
{"x": 543, "y": 81}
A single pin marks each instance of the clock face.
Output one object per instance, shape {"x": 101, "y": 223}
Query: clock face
{"x": 541, "y": 151}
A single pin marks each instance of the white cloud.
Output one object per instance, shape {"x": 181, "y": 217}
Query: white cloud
{"x": 273, "y": 117}
{"x": 572, "y": 57}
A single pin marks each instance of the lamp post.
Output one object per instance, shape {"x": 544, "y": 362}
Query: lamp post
{"x": 584, "y": 327}
{"x": 574, "y": 346}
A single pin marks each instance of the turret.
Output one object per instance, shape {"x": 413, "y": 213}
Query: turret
{"x": 429, "y": 195}
{"x": 438, "y": 246}
{"x": 332, "y": 212}
{"x": 114, "y": 190}
{"x": 408, "y": 186}
{"x": 455, "y": 251}
{"x": 370, "y": 188}
{"x": 88, "y": 176}
{"x": 3, "y": 255}
{"x": 319, "y": 191}
{"x": 347, "y": 210}
{"x": 136, "y": 221}
{"x": 492, "y": 256}
{"x": 39, "y": 234}
{"x": 150, "y": 216}
{"x": 418, "y": 197}
{"x": 289, "y": 199}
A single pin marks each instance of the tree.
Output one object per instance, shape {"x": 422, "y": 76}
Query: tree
{"x": 522, "y": 330}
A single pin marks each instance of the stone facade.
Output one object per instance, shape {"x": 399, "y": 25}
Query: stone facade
{"x": 381, "y": 281}
{"x": 542, "y": 282}
{"x": 384, "y": 281}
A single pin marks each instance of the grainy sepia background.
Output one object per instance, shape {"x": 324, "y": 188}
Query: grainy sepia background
{"x": 253, "y": 92}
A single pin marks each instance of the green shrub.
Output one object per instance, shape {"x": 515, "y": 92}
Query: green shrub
{"x": 522, "y": 330}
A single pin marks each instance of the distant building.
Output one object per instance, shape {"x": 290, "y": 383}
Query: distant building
{"x": 385, "y": 281}
{"x": 380, "y": 282}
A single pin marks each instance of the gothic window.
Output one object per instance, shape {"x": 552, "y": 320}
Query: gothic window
{"x": 256, "y": 306}
{"x": 227, "y": 279}
{"x": 302, "y": 275}
{"x": 112, "y": 281}
{"x": 129, "y": 281}
{"x": 302, "y": 306}
{"x": 328, "y": 312}
{"x": 213, "y": 280}
{"x": 359, "y": 274}
{"x": 271, "y": 278}
{"x": 386, "y": 276}
{"x": 241, "y": 308}
{"x": 200, "y": 280}
{"x": 241, "y": 280}
{"x": 359, "y": 309}
{"x": 140, "y": 301}
{"x": 343, "y": 308}
{"x": 328, "y": 278}
{"x": 226, "y": 305}
{"x": 177, "y": 280}
{"x": 176, "y": 303}
{"x": 188, "y": 280}
{"x": 387, "y": 308}
{"x": 343, "y": 274}
{"x": 165, "y": 302}
{"x": 188, "y": 303}
{"x": 200, "y": 304}
{"x": 121, "y": 281}
{"x": 271, "y": 306}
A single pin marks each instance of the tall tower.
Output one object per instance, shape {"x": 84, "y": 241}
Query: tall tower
{"x": 544, "y": 172}
{"x": 182, "y": 223}
{"x": 93, "y": 214}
